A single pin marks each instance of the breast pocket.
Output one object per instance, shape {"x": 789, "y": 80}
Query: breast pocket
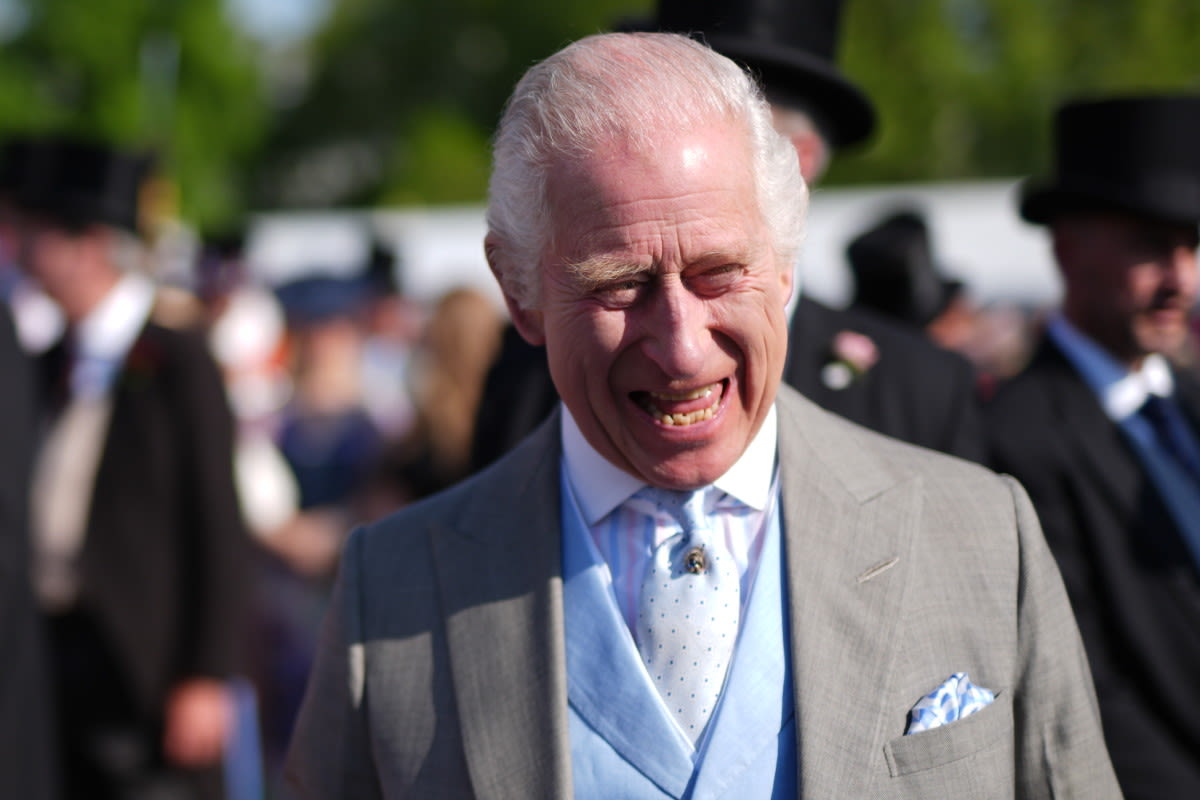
{"x": 954, "y": 741}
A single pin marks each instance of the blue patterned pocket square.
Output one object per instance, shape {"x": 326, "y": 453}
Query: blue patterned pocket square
{"x": 955, "y": 699}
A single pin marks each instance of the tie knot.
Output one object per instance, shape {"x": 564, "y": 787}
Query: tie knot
{"x": 687, "y": 508}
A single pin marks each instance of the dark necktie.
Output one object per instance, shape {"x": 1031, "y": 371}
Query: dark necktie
{"x": 62, "y": 367}
{"x": 1173, "y": 433}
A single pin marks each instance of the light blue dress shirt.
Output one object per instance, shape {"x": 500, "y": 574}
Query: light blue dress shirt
{"x": 624, "y": 743}
{"x": 1121, "y": 392}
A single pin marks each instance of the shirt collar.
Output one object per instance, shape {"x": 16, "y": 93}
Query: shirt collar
{"x": 601, "y": 486}
{"x": 105, "y": 335}
{"x": 1121, "y": 391}
{"x": 109, "y": 329}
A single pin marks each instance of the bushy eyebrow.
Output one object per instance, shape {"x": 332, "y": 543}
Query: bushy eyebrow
{"x": 592, "y": 273}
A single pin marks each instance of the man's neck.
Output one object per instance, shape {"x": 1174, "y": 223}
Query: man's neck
{"x": 85, "y": 296}
{"x": 1129, "y": 358}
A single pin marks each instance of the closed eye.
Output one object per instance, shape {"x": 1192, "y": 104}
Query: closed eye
{"x": 717, "y": 279}
{"x": 620, "y": 293}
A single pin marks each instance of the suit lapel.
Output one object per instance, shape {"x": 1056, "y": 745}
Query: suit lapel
{"x": 848, "y": 522}
{"x": 1107, "y": 458}
{"x": 810, "y": 340}
{"x": 500, "y": 578}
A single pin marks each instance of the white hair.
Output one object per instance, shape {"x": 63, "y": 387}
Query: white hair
{"x": 625, "y": 86}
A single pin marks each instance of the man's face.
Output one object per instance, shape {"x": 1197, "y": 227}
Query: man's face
{"x": 52, "y": 255}
{"x": 1131, "y": 282}
{"x": 663, "y": 303}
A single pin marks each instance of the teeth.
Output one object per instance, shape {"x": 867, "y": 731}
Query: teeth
{"x": 685, "y": 419}
{"x": 692, "y": 395}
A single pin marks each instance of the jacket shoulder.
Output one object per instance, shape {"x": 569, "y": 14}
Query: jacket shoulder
{"x": 484, "y": 507}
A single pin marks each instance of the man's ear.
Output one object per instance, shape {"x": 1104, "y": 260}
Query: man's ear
{"x": 527, "y": 321}
{"x": 812, "y": 152}
{"x": 787, "y": 277}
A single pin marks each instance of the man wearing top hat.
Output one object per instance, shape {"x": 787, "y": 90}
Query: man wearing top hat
{"x": 855, "y": 363}
{"x": 138, "y": 541}
{"x": 1105, "y": 435}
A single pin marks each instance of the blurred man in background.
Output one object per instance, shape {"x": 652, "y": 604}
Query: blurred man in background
{"x": 897, "y": 275}
{"x": 1104, "y": 433}
{"x": 138, "y": 542}
{"x": 858, "y": 364}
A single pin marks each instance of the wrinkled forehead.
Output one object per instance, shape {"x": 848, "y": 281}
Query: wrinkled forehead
{"x": 663, "y": 177}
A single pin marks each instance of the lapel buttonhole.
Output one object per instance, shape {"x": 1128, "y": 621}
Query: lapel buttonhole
{"x": 878, "y": 569}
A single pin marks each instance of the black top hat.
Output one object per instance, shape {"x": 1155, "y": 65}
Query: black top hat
{"x": 1134, "y": 154}
{"x": 790, "y": 45}
{"x": 13, "y": 158}
{"x": 76, "y": 183}
{"x": 895, "y": 272}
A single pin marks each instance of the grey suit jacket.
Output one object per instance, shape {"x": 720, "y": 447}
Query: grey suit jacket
{"x": 442, "y": 669}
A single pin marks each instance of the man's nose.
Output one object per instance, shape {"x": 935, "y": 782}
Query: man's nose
{"x": 678, "y": 338}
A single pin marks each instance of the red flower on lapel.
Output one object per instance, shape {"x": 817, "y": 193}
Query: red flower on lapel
{"x": 853, "y": 354}
{"x": 142, "y": 362}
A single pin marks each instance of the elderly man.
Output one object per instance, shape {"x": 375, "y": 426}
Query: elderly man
{"x": 855, "y": 363}
{"x": 1106, "y": 435}
{"x": 690, "y": 582}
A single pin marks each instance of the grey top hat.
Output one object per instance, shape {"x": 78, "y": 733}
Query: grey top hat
{"x": 789, "y": 45}
{"x": 1136, "y": 154}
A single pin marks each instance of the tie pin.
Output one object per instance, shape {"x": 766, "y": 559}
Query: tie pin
{"x": 695, "y": 560}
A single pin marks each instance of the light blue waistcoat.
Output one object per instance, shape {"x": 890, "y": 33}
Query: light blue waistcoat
{"x": 623, "y": 741}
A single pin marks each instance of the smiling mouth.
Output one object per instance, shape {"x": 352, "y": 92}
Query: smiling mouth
{"x": 683, "y": 408}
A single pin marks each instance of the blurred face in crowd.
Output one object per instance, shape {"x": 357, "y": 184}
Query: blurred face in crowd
{"x": 1130, "y": 281}
{"x": 663, "y": 303}
{"x": 73, "y": 267}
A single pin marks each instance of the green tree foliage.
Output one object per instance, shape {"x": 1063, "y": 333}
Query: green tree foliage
{"x": 405, "y": 94}
{"x": 401, "y": 96}
{"x": 967, "y": 88}
{"x": 407, "y": 91}
{"x": 169, "y": 75}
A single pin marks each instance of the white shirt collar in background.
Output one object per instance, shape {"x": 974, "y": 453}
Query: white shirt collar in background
{"x": 1121, "y": 391}
{"x": 103, "y": 337}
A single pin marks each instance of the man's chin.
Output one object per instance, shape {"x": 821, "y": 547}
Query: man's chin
{"x": 687, "y": 471}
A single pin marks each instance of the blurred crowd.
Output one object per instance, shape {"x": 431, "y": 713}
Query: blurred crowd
{"x": 183, "y": 459}
{"x": 194, "y": 453}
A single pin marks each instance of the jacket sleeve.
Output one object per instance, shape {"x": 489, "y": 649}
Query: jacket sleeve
{"x": 1059, "y": 742}
{"x": 330, "y": 756}
{"x": 216, "y": 543}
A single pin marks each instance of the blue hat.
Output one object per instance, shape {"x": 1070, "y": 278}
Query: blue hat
{"x": 316, "y": 299}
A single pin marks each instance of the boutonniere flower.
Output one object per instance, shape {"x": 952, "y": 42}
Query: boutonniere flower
{"x": 142, "y": 363}
{"x": 853, "y": 354}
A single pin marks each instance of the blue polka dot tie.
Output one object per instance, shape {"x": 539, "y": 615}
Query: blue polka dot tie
{"x": 688, "y": 612}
